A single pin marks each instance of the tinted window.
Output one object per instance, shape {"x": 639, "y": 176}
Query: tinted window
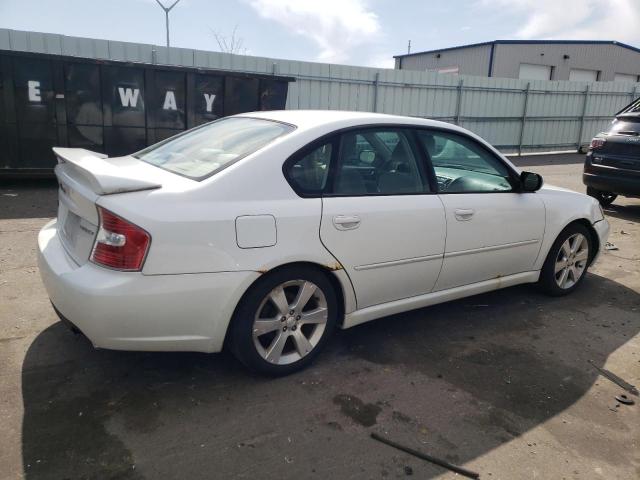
{"x": 377, "y": 162}
{"x": 309, "y": 173}
{"x": 461, "y": 165}
{"x": 203, "y": 151}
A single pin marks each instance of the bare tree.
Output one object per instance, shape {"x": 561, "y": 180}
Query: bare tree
{"x": 230, "y": 44}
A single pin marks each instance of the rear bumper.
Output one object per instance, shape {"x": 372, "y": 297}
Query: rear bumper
{"x": 611, "y": 179}
{"x": 615, "y": 183}
{"x": 132, "y": 311}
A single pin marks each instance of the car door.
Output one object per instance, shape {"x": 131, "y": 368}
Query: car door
{"x": 380, "y": 219}
{"x": 493, "y": 229}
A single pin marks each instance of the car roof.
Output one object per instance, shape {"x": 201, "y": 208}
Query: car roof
{"x": 307, "y": 119}
{"x": 327, "y": 121}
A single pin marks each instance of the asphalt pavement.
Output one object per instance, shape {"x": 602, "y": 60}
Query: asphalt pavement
{"x": 499, "y": 383}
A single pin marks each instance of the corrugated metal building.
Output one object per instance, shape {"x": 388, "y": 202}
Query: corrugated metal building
{"x": 579, "y": 60}
{"x": 513, "y": 115}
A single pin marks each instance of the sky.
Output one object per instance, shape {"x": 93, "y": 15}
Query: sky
{"x": 354, "y": 32}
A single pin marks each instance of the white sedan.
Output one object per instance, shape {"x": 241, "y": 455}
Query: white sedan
{"x": 265, "y": 231}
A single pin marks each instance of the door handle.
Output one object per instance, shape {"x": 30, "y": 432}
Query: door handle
{"x": 346, "y": 222}
{"x": 463, "y": 214}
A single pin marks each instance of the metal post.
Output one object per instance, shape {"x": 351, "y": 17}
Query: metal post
{"x": 459, "y": 101}
{"x": 376, "y": 81}
{"x": 166, "y": 14}
{"x": 523, "y": 121}
{"x": 584, "y": 112}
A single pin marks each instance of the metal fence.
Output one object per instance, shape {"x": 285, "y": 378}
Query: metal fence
{"x": 515, "y": 115}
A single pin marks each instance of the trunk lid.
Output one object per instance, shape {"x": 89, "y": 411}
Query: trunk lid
{"x": 620, "y": 151}
{"x": 84, "y": 176}
{"x": 622, "y": 146}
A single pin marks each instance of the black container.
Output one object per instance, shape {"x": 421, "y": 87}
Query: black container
{"x": 112, "y": 107}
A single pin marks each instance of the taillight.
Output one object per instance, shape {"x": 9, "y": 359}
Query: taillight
{"x": 597, "y": 143}
{"x": 120, "y": 244}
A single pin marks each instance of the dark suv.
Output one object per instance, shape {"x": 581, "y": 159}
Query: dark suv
{"x": 612, "y": 166}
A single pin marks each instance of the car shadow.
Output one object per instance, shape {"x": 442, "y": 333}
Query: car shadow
{"x": 624, "y": 212}
{"x": 456, "y": 380}
{"x": 22, "y": 199}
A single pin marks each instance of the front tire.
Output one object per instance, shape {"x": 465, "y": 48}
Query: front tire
{"x": 605, "y": 198}
{"x": 284, "y": 320}
{"x": 566, "y": 264}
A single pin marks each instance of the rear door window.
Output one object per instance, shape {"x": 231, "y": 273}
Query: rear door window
{"x": 308, "y": 173}
{"x": 378, "y": 162}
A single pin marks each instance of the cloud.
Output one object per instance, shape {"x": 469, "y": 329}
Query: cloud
{"x": 337, "y": 27}
{"x": 574, "y": 19}
{"x": 381, "y": 60}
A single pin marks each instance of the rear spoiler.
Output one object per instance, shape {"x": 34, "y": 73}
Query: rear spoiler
{"x": 103, "y": 176}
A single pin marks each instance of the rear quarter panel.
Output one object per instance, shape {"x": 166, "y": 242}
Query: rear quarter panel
{"x": 194, "y": 230}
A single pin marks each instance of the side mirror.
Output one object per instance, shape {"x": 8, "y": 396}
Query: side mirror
{"x": 530, "y": 181}
{"x": 367, "y": 156}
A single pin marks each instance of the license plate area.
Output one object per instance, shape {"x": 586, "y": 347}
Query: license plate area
{"x": 76, "y": 233}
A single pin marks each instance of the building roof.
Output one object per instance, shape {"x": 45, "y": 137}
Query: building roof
{"x": 526, "y": 42}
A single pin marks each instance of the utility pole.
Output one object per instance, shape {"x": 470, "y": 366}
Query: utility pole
{"x": 166, "y": 13}
{"x": 408, "y": 46}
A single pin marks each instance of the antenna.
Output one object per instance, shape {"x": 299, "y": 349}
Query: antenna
{"x": 408, "y": 46}
{"x": 166, "y": 13}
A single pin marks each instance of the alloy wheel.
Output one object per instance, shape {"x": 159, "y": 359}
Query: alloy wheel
{"x": 571, "y": 261}
{"x": 290, "y": 322}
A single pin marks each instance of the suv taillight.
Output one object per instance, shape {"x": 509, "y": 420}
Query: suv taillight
{"x": 120, "y": 244}
{"x": 597, "y": 143}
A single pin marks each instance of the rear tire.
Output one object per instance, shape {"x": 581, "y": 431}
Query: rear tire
{"x": 567, "y": 262}
{"x": 284, "y": 320}
{"x": 605, "y": 198}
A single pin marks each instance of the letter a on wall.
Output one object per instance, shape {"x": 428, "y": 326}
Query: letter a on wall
{"x": 170, "y": 101}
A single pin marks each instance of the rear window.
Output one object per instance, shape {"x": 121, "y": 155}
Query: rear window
{"x": 623, "y": 127}
{"x": 203, "y": 151}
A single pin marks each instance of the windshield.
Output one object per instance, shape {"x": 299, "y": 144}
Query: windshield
{"x": 205, "y": 150}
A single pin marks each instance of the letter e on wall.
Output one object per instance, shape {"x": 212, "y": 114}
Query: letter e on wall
{"x": 33, "y": 88}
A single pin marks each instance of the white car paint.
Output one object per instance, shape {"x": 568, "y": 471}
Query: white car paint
{"x": 212, "y": 239}
{"x": 500, "y": 235}
{"x": 400, "y": 237}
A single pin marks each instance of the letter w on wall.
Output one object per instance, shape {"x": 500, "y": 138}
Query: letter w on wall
{"x": 129, "y": 96}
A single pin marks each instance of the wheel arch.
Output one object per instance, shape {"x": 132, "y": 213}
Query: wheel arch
{"x": 327, "y": 271}
{"x": 592, "y": 234}
{"x": 595, "y": 240}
